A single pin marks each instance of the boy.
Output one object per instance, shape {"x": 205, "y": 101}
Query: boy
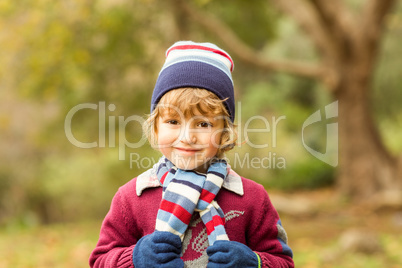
{"x": 191, "y": 209}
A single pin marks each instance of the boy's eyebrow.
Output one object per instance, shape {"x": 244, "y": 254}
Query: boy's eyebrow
{"x": 211, "y": 118}
{"x": 194, "y": 113}
{"x": 169, "y": 117}
{"x": 168, "y": 112}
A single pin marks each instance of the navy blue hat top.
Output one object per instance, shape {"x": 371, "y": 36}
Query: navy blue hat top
{"x": 198, "y": 65}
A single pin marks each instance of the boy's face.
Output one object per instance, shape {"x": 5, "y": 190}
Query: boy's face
{"x": 189, "y": 142}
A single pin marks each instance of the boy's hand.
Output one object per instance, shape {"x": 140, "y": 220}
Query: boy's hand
{"x": 159, "y": 249}
{"x": 231, "y": 254}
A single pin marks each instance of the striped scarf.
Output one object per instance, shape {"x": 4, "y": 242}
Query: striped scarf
{"x": 186, "y": 191}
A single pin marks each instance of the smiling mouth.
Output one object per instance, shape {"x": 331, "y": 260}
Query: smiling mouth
{"x": 187, "y": 150}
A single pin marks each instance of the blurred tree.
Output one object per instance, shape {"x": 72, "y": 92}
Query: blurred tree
{"x": 347, "y": 39}
{"x": 57, "y": 54}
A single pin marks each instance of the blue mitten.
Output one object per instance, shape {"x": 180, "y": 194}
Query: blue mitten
{"x": 159, "y": 249}
{"x": 231, "y": 254}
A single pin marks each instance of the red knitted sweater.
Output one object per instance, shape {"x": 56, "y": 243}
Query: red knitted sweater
{"x": 251, "y": 219}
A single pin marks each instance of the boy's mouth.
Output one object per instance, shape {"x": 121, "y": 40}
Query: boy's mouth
{"x": 187, "y": 151}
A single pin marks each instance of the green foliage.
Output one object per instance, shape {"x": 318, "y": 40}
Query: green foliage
{"x": 78, "y": 187}
{"x": 86, "y": 51}
{"x": 386, "y": 96}
{"x": 241, "y": 15}
{"x": 307, "y": 174}
{"x": 65, "y": 54}
{"x": 5, "y": 185}
{"x": 58, "y": 54}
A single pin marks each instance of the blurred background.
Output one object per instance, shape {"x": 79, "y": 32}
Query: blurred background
{"x": 56, "y": 55}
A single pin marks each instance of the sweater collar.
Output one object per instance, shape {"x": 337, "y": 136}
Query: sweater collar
{"x": 149, "y": 179}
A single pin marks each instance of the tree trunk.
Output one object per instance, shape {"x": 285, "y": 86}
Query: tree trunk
{"x": 365, "y": 165}
{"x": 348, "y": 46}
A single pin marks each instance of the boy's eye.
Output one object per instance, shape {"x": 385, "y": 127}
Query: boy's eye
{"x": 205, "y": 124}
{"x": 173, "y": 122}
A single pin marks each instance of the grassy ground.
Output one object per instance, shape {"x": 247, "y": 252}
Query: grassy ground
{"x": 315, "y": 239}
{"x": 48, "y": 246}
{"x": 318, "y": 240}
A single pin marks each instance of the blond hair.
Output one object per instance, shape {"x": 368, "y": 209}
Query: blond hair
{"x": 187, "y": 101}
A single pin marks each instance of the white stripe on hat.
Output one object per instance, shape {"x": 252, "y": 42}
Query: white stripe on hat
{"x": 198, "y": 52}
{"x": 206, "y": 47}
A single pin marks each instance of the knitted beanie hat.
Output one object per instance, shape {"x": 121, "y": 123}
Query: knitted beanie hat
{"x": 198, "y": 65}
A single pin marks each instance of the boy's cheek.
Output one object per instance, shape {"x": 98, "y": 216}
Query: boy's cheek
{"x": 216, "y": 140}
{"x": 164, "y": 146}
{"x": 166, "y": 137}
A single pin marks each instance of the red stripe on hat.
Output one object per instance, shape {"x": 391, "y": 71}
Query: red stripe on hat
{"x": 216, "y": 221}
{"x": 176, "y": 210}
{"x": 207, "y": 196}
{"x": 220, "y": 52}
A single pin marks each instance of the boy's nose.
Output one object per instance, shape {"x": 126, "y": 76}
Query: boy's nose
{"x": 188, "y": 135}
